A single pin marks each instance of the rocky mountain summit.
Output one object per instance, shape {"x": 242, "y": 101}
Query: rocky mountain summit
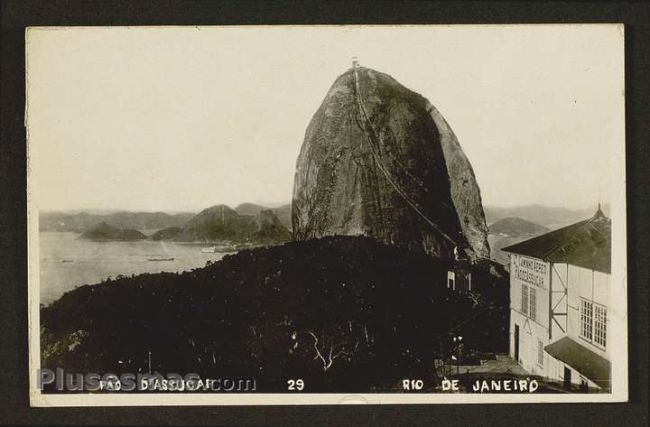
{"x": 379, "y": 160}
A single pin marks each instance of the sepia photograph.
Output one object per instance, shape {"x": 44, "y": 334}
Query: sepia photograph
{"x": 326, "y": 214}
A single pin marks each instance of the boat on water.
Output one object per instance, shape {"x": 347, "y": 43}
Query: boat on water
{"x": 160, "y": 259}
{"x": 67, "y": 260}
{"x": 219, "y": 249}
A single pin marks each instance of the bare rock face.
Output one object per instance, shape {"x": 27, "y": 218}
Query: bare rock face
{"x": 465, "y": 191}
{"x": 379, "y": 160}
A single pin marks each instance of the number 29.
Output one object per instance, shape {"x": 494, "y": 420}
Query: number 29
{"x": 298, "y": 384}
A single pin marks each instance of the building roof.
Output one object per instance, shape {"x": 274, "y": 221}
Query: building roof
{"x": 583, "y": 360}
{"x": 585, "y": 244}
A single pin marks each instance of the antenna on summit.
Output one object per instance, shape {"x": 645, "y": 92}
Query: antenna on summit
{"x": 355, "y": 63}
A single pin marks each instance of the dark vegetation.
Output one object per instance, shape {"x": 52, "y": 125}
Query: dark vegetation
{"x": 346, "y": 314}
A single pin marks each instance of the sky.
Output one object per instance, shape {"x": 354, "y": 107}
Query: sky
{"x": 182, "y": 118}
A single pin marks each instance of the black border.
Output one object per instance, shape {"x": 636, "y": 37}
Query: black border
{"x": 17, "y": 14}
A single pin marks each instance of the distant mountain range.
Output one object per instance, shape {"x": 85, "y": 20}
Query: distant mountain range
{"x": 551, "y": 217}
{"x": 253, "y": 224}
{"x": 514, "y": 226}
{"x": 81, "y": 221}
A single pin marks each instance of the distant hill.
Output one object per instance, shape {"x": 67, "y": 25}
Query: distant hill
{"x": 103, "y": 231}
{"x": 283, "y": 212}
{"x": 513, "y": 226}
{"x": 217, "y": 223}
{"x": 249, "y": 209}
{"x": 508, "y": 231}
{"x": 270, "y": 228}
{"x": 166, "y": 233}
{"x": 81, "y": 221}
{"x": 221, "y": 223}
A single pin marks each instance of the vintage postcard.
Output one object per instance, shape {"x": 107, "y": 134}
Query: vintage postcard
{"x": 300, "y": 215}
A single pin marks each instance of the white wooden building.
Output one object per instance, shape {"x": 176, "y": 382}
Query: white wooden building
{"x": 560, "y": 310}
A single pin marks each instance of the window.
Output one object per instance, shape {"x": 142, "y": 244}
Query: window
{"x": 533, "y": 303}
{"x": 524, "y": 299}
{"x": 529, "y": 301}
{"x": 600, "y": 325}
{"x": 593, "y": 322}
{"x": 450, "y": 284}
{"x": 586, "y": 319}
{"x": 540, "y": 353}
